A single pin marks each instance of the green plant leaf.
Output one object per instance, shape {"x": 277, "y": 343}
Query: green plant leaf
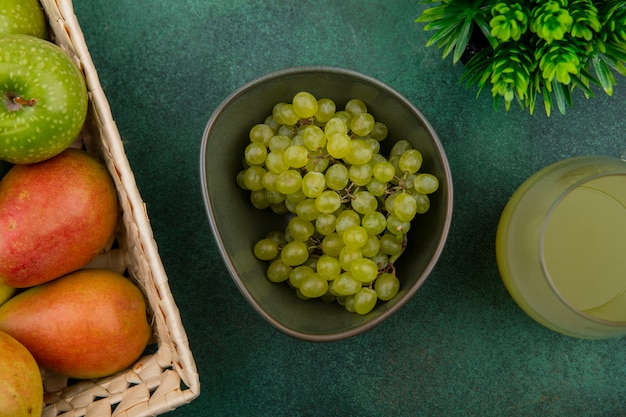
{"x": 605, "y": 77}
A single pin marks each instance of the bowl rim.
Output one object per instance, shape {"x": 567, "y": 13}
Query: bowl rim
{"x": 328, "y": 337}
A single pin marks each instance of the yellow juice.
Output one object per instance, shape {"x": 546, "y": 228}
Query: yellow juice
{"x": 584, "y": 248}
{"x": 561, "y": 247}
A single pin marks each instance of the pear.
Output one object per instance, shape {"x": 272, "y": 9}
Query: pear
{"x": 87, "y": 324}
{"x": 55, "y": 217}
{"x": 21, "y": 387}
{"x": 6, "y": 292}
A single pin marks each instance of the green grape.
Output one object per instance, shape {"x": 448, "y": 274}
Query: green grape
{"x": 345, "y": 284}
{"x": 364, "y": 202}
{"x": 377, "y": 188}
{"x": 362, "y": 124}
{"x": 275, "y": 162}
{"x": 279, "y": 208}
{"x": 348, "y": 255}
{"x": 255, "y": 153}
{"x": 313, "y": 183}
{"x": 397, "y": 226}
{"x": 239, "y": 179}
{"x": 312, "y": 260}
{"x": 346, "y": 219}
{"x": 389, "y": 202}
{"x": 269, "y": 180}
{"x": 394, "y": 160}
{"x": 325, "y": 224}
{"x": 345, "y": 117}
{"x": 381, "y": 259}
{"x": 356, "y": 106}
{"x": 277, "y": 115}
{"x": 300, "y": 295}
{"x": 386, "y": 286}
{"x": 294, "y": 253}
{"x": 287, "y": 114}
{"x": 285, "y": 130}
{"x": 405, "y": 207}
{"x": 306, "y": 210}
{"x": 425, "y": 183}
{"x": 391, "y": 244}
{"x": 380, "y": 131}
{"x": 304, "y": 104}
{"x": 296, "y": 197}
{"x": 318, "y": 161}
{"x": 338, "y": 144}
{"x": 374, "y": 223}
{"x": 332, "y": 244}
{"x": 337, "y": 177}
{"x": 335, "y": 125}
{"x": 266, "y": 249}
{"x": 383, "y": 171}
{"x": 288, "y": 182}
{"x": 407, "y": 181}
{"x": 352, "y": 205}
{"x": 364, "y": 300}
{"x": 313, "y": 286}
{"x": 364, "y": 269}
{"x": 325, "y": 110}
{"x": 314, "y": 138}
{"x": 297, "y": 140}
{"x": 423, "y": 203}
{"x": 359, "y": 152}
{"x": 296, "y": 156}
{"x": 374, "y": 145}
{"x": 372, "y": 247}
{"x": 253, "y": 178}
{"x": 328, "y": 267}
{"x": 360, "y": 174}
{"x": 273, "y": 124}
{"x": 279, "y": 143}
{"x": 410, "y": 161}
{"x": 278, "y": 271}
{"x": 298, "y": 274}
{"x": 277, "y": 236}
{"x": 274, "y": 197}
{"x": 261, "y": 133}
{"x": 328, "y": 201}
{"x": 300, "y": 229}
{"x": 354, "y": 237}
{"x": 400, "y": 147}
{"x": 348, "y": 303}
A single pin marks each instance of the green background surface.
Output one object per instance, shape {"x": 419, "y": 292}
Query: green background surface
{"x": 460, "y": 346}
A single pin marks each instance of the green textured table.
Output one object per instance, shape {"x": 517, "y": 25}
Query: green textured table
{"x": 461, "y": 346}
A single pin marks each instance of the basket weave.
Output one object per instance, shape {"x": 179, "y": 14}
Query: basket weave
{"x": 166, "y": 379}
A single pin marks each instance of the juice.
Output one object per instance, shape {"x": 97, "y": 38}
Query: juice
{"x": 584, "y": 248}
{"x": 561, "y": 247}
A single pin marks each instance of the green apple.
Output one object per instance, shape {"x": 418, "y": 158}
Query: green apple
{"x": 22, "y": 16}
{"x": 43, "y": 99}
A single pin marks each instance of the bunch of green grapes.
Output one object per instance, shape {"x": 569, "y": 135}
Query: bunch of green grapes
{"x": 349, "y": 207}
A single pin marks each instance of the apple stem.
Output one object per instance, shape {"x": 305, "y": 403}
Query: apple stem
{"x": 24, "y": 102}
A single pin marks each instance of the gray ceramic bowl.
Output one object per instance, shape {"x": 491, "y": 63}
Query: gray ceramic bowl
{"x": 237, "y": 225}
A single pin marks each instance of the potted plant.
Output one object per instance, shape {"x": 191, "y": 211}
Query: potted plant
{"x": 523, "y": 49}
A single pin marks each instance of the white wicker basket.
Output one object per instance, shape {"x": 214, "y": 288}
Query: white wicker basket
{"x": 166, "y": 379}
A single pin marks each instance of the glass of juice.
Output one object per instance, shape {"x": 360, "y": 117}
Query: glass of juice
{"x": 561, "y": 247}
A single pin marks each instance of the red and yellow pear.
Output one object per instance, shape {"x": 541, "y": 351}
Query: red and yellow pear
{"x": 21, "y": 387}
{"x": 87, "y": 324}
{"x": 55, "y": 217}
